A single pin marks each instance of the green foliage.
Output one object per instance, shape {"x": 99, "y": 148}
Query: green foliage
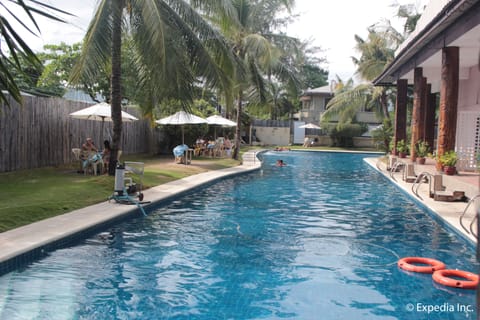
{"x": 58, "y": 61}
{"x": 342, "y": 136}
{"x": 350, "y": 99}
{"x": 25, "y": 74}
{"x": 314, "y": 76}
{"x": 382, "y": 137}
{"x": 402, "y": 146}
{"x": 18, "y": 50}
{"x": 448, "y": 159}
{"x": 422, "y": 148}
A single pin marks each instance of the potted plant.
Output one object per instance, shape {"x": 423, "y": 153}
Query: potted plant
{"x": 448, "y": 161}
{"x": 422, "y": 149}
{"x": 402, "y": 148}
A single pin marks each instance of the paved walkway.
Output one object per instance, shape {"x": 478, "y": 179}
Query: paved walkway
{"x": 449, "y": 212}
{"x": 28, "y": 238}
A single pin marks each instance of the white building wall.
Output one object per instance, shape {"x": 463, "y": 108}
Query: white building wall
{"x": 273, "y": 136}
{"x": 469, "y": 92}
{"x": 467, "y": 142}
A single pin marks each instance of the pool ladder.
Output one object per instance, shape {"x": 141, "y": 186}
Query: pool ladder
{"x": 418, "y": 182}
{"x": 474, "y": 220}
{"x": 396, "y": 167}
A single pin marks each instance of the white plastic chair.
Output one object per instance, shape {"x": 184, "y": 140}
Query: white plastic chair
{"x": 76, "y": 155}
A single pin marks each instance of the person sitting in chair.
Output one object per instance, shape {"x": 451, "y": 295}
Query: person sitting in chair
{"x": 179, "y": 153}
{"x": 88, "y": 151}
{"x": 87, "y": 148}
{"x": 90, "y": 155}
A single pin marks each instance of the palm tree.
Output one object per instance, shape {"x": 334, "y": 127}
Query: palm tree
{"x": 411, "y": 14}
{"x": 376, "y": 52}
{"x": 260, "y": 51}
{"x": 18, "y": 49}
{"x": 174, "y": 46}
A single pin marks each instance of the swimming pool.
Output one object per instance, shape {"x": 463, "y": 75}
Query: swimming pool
{"x": 317, "y": 239}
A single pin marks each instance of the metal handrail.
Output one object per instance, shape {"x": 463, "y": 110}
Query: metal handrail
{"x": 474, "y": 220}
{"x": 463, "y": 215}
{"x": 418, "y": 180}
{"x": 395, "y": 167}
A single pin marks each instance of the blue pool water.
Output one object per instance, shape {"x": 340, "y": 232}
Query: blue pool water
{"x": 317, "y": 239}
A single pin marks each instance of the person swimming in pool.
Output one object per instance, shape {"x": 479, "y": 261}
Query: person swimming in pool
{"x": 280, "y": 163}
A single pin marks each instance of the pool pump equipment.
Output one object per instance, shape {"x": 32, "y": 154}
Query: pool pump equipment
{"x": 128, "y": 189}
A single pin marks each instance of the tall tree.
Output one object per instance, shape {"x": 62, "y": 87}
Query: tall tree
{"x": 58, "y": 61}
{"x": 349, "y": 99}
{"x": 260, "y": 50}
{"x": 17, "y": 50}
{"x": 376, "y": 52}
{"x": 173, "y": 44}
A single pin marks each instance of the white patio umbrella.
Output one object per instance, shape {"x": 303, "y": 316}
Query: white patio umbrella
{"x": 181, "y": 118}
{"x": 309, "y": 126}
{"x": 220, "y": 121}
{"x": 100, "y": 112}
{"x": 217, "y": 120}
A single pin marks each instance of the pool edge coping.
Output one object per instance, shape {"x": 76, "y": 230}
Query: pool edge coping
{"x": 436, "y": 208}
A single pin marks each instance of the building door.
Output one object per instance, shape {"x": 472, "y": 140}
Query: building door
{"x": 298, "y": 133}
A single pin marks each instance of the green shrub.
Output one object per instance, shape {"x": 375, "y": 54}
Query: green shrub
{"x": 448, "y": 159}
{"x": 342, "y": 136}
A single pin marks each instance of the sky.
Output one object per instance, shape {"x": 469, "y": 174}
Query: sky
{"x": 330, "y": 25}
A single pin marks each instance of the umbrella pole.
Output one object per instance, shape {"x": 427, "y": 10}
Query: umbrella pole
{"x": 183, "y": 135}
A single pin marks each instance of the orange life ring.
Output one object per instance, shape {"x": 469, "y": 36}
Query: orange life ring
{"x": 445, "y": 277}
{"x": 432, "y": 265}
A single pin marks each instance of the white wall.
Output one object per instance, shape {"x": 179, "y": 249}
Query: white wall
{"x": 274, "y": 136}
{"x": 469, "y": 92}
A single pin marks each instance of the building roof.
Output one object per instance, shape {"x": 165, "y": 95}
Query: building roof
{"x": 320, "y": 90}
{"x": 443, "y": 23}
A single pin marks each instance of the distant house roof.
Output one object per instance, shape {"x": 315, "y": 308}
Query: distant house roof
{"x": 80, "y": 96}
{"x": 320, "y": 90}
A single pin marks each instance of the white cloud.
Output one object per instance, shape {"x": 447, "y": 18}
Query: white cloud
{"x": 332, "y": 25}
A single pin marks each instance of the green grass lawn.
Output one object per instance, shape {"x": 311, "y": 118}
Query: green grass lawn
{"x": 27, "y": 196}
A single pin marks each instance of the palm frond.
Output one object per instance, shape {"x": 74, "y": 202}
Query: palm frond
{"x": 96, "y": 48}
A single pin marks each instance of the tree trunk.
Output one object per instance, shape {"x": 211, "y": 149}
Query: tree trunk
{"x": 447, "y": 121}
{"x": 383, "y": 100}
{"x": 115, "y": 84}
{"x": 417, "y": 121}
{"x": 238, "y": 138}
{"x": 400, "y": 113}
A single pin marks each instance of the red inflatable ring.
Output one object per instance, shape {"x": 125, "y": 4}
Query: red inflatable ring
{"x": 429, "y": 265}
{"x": 444, "y": 277}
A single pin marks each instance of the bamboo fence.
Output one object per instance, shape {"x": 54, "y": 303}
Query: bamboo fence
{"x": 41, "y": 133}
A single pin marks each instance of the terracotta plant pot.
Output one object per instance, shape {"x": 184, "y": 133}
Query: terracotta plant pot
{"x": 421, "y": 160}
{"x": 449, "y": 171}
{"x": 402, "y": 154}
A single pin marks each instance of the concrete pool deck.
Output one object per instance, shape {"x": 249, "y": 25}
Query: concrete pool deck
{"x": 39, "y": 235}
{"x": 448, "y": 212}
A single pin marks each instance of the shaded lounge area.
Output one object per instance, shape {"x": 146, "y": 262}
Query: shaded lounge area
{"x": 439, "y": 62}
